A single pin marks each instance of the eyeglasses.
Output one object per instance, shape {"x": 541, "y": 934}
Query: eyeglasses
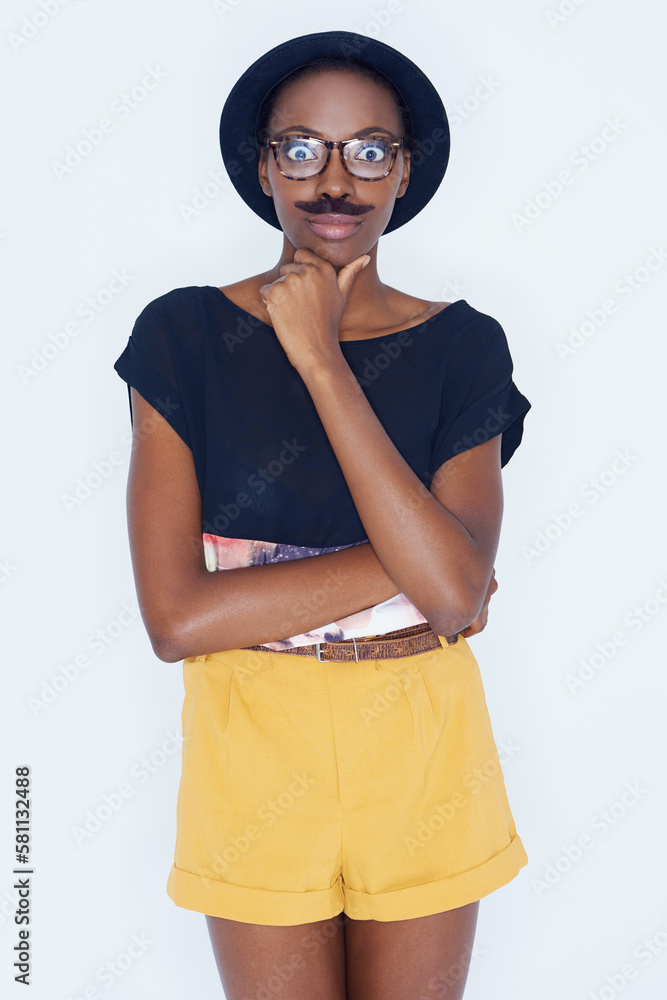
{"x": 301, "y": 157}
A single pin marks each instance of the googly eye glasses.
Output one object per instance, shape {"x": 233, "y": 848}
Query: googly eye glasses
{"x": 301, "y": 157}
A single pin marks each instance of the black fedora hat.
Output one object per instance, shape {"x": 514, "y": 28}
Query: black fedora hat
{"x": 240, "y": 116}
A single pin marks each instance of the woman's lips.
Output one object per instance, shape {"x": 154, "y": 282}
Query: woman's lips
{"x": 334, "y": 227}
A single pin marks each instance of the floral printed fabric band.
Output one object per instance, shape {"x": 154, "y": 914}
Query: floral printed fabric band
{"x": 231, "y": 553}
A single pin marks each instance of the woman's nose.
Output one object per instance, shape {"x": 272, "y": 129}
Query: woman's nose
{"x": 335, "y": 177}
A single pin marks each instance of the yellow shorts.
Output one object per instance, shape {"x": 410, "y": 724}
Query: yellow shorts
{"x": 309, "y": 788}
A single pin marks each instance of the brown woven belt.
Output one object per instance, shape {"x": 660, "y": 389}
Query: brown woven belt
{"x": 390, "y": 645}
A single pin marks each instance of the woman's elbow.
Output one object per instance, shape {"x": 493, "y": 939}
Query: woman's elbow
{"x": 455, "y": 612}
{"x": 165, "y": 649}
{"x": 165, "y": 644}
{"x": 165, "y": 633}
{"x": 170, "y": 619}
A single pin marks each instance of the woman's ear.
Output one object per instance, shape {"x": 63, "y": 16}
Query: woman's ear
{"x": 405, "y": 179}
{"x": 263, "y": 173}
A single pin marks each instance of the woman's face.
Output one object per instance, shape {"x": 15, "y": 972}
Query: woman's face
{"x": 334, "y": 105}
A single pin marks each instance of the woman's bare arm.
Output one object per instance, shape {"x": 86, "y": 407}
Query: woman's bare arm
{"x": 438, "y": 545}
{"x": 440, "y": 557}
{"x": 188, "y": 610}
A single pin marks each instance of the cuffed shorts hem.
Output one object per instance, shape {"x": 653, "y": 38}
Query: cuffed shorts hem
{"x": 253, "y": 906}
{"x": 263, "y": 906}
{"x": 310, "y": 788}
{"x": 444, "y": 894}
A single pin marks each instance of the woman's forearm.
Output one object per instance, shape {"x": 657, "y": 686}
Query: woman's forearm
{"x": 233, "y": 608}
{"x": 430, "y": 554}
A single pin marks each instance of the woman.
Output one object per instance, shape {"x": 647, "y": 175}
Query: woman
{"x": 335, "y": 446}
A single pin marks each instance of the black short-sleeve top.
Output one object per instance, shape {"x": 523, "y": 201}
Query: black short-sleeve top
{"x": 271, "y": 486}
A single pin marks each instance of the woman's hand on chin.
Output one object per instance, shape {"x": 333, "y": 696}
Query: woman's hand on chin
{"x": 306, "y": 305}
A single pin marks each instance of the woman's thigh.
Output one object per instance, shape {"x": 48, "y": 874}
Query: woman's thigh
{"x": 420, "y": 959}
{"x": 260, "y": 962}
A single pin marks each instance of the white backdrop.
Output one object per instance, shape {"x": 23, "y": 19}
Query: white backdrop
{"x": 552, "y": 219}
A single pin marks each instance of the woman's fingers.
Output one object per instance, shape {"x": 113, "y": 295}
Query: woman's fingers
{"x": 482, "y": 618}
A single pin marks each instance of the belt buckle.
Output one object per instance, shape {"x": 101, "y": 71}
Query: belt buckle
{"x": 318, "y": 652}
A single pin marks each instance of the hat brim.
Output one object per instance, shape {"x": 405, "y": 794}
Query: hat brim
{"x": 239, "y": 118}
